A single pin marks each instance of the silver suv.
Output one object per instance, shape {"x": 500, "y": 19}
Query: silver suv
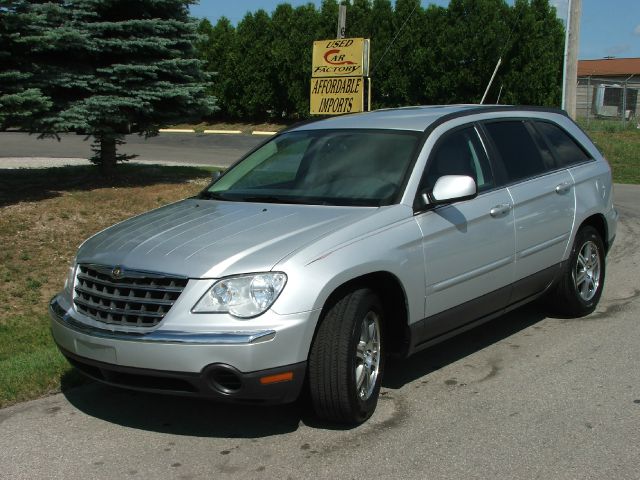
{"x": 337, "y": 243}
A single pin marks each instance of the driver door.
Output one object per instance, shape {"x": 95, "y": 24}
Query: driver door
{"x": 468, "y": 246}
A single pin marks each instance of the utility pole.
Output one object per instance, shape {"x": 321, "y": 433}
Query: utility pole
{"x": 342, "y": 21}
{"x": 572, "y": 42}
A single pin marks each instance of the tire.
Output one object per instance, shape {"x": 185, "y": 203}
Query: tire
{"x": 582, "y": 280}
{"x": 346, "y": 361}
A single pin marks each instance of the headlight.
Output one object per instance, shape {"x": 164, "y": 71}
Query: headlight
{"x": 71, "y": 278}
{"x": 243, "y": 296}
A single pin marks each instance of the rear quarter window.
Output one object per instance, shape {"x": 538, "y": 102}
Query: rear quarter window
{"x": 564, "y": 147}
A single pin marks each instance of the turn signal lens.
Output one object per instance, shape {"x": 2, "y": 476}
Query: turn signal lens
{"x": 279, "y": 377}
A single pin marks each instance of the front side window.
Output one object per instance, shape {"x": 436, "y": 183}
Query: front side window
{"x": 334, "y": 167}
{"x": 459, "y": 153}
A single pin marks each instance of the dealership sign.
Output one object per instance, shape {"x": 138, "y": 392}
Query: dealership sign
{"x": 341, "y": 57}
{"x": 340, "y": 71}
{"x": 333, "y": 96}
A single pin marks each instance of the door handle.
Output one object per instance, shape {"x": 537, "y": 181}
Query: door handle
{"x": 500, "y": 210}
{"x": 563, "y": 187}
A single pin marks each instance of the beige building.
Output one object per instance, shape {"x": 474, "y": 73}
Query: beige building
{"x": 608, "y": 88}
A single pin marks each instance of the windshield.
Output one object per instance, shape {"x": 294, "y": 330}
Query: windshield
{"x": 327, "y": 167}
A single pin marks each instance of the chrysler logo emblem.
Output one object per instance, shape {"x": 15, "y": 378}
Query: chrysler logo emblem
{"x": 117, "y": 272}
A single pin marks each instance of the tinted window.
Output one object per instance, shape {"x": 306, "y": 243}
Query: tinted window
{"x": 460, "y": 153}
{"x": 564, "y": 147}
{"x": 517, "y": 149}
{"x": 548, "y": 159}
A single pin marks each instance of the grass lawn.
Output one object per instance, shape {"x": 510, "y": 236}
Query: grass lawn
{"x": 622, "y": 149}
{"x": 44, "y": 216}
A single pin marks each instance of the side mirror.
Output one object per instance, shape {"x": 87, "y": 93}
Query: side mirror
{"x": 451, "y": 188}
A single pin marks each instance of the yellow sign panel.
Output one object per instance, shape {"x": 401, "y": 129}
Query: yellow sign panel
{"x": 333, "y": 96}
{"x": 341, "y": 57}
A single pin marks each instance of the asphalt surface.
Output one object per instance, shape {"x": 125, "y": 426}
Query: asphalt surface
{"x": 20, "y": 149}
{"x": 525, "y": 396}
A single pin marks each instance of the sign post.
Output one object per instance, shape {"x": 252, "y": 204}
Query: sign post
{"x": 342, "y": 21}
{"x": 340, "y": 72}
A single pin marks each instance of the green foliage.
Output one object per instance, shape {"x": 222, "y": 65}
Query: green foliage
{"x": 101, "y": 67}
{"x": 20, "y": 99}
{"x": 216, "y": 48}
{"x": 538, "y": 35}
{"x": 431, "y": 55}
{"x": 620, "y": 147}
{"x": 255, "y": 80}
{"x": 293, "y": 36}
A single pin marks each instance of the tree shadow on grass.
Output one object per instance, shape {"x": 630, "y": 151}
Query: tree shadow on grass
{"x": 202, "y": 418}
{"x": 34, "y": 184}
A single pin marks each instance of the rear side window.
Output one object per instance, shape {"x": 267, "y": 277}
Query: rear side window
{"x": 565, "y": 149}
{"x": 518, "y": 150}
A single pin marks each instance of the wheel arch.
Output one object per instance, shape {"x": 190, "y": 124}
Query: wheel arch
{"x": 392, "y": 294}
{"x": 598, "y": 222}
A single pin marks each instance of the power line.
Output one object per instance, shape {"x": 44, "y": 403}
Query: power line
{"x": 394, "y": 38}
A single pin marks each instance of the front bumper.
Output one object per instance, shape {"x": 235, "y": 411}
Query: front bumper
{"x": 225, "y": 365}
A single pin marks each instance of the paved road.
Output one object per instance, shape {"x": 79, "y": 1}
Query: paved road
{"x": 522, "y": 397}
{"x": 178, "y": 148}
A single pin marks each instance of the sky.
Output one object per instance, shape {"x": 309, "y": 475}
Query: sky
{"x": 607, "y": 27}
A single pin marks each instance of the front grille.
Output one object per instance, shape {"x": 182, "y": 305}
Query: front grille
{"x": 133, "y": 299}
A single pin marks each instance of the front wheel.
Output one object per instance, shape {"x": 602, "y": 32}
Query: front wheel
{"x": 580, "y": 287}
{"x": 346, "y": 361}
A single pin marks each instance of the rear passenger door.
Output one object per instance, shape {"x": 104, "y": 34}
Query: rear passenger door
{"x": 543, "y": 200}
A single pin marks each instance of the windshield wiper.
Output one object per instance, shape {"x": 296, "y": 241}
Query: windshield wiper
{"x": 263, "y": 199}
{"x": 273, "y": 199}
{"x": 214, "y": 196}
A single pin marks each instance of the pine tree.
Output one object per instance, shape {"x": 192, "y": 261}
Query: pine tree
{"x": 108, "y": 68}
{"x": 20, "y": 100}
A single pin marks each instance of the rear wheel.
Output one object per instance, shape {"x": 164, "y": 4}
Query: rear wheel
{"x": 582, "y": 281}
{"x": 346, "y": 362}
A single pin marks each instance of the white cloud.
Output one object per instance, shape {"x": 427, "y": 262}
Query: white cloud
{"x": 637, "y": 30}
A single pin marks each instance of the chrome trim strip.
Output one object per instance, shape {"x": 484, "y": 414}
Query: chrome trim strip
{"x": 130, "y": 273}
{"x": 62, "y": 317}
{"x": 541, "y": 246}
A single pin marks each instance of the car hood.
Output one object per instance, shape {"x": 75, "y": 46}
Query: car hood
{"x": 211, "y": 239}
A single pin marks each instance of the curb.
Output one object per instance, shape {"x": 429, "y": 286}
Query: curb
{"x": 261, "y": 132}
{"x": 224, "y": 132}
{"x": 215, "y": 132}
{"x": 19, "y": 163}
